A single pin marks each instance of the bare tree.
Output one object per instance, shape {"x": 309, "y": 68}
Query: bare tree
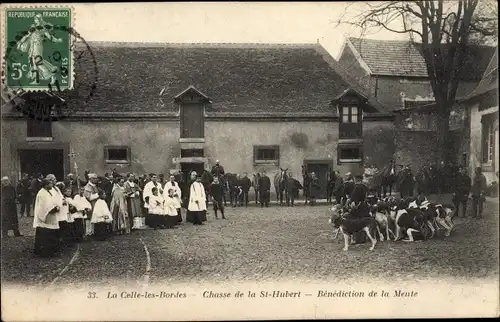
{"x": 443, "y": 30}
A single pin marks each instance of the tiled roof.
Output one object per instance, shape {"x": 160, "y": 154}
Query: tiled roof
{"x": 237, "y": 78}
{"x": 489, "y": 81}
{"x": 403, "y": 58}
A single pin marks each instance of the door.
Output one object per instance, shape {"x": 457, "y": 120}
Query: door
{"x": 321, "y": 170}
{"x": 186, "y": 169}
{"x": 192, "y": 121}
{"x": 42, "y": 161}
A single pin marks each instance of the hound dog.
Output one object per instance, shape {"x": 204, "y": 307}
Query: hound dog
{"x": 380, "y": 212}
{"x": 349, "y": 227}
{"x": 438, "y": 216}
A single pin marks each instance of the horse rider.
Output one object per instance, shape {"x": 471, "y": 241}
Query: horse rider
{"x": 218, "y": 170}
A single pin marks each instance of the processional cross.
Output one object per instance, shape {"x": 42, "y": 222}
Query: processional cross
{"x": 73, "y": 155}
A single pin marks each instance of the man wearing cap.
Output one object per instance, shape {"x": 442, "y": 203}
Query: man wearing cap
{"x": 9, "y": 209}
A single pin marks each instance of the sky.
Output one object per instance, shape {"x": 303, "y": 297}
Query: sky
{"x": 223, "y": 22}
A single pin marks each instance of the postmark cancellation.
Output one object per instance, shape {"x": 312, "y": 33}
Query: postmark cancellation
{"x": 37, "y": 48}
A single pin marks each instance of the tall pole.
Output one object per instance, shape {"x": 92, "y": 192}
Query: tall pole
{"x": 73, "y": 155}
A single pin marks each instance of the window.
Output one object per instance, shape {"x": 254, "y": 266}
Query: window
{"x": 39, "y": 128}
{"x": 350, "y": 114}
{"x": 488, "y": 141}
{"x": 189, "y": 153}
{"x": 350, "y": 154}
{"x": 266, "y": 154}
{"x": 117, "y": 155}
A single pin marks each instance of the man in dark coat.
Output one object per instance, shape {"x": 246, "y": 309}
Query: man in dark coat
{"x": 36, "y": 185}
{"x": 406, "y": 183}
{"x": 478, "y": 192}
{"x": 9, "y": 209}
{"x": 264, "y": 190}
{"x": 218, "y": 170}
{"x": 314, "y": 188}
{"x": 360, "y": 207}
{"x": 292, "y": 189}
{"x": 107, "y": 187}
{"x": 24, "y": 194}
{"x": 217, "y": 193}
{"x": 348, "y": 185}
{"x": 462, "y": 190}
{"x": 245, "y": 184}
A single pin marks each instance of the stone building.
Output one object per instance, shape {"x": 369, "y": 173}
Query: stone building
{"x": 482, "y": 106}
{"x": 394, "y": 72}
{"x": 167, "y": 107}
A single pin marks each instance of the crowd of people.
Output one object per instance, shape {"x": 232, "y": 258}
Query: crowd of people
{"x": 77, "y": 209}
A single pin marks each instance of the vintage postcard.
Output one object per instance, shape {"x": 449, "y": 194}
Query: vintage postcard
{"x": 249, "y": 161}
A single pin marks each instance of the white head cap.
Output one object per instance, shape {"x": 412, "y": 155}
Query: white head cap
{"x": 92, "y": 176}
{"x": 50, "y": 177}
{"x": 5, "y": 178}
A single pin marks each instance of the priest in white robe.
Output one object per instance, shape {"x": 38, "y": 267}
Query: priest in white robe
{"x": 45, "y": 221}
{"x": 177, "y": 196}
{"x": 197, "y": 201}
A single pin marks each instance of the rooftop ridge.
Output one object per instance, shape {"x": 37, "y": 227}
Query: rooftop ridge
{"x": 414, "y": 42}
{"x": 198, "y": 45}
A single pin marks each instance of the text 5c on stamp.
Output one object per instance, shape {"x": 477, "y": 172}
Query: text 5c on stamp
{"x": 38, "y": 53}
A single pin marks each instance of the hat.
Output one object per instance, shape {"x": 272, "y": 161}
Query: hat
{"x": 348, "y": 174}
{"x": 5, "y": 178}
{"x": 50, "y": 177}
{"x": 217, "y": 161}
{"x": 92, "y": 176}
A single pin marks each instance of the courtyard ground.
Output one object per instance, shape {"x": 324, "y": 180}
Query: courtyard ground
{"x": 255, "y": 244}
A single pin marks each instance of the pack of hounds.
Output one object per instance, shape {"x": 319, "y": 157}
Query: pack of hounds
{"x": 408, "y": 219}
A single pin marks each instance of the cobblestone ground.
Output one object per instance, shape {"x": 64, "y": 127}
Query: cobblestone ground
{"x": 257, "y": 244}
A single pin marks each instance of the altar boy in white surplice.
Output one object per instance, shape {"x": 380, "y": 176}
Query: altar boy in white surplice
{"x": 197, "y": 201}
{"x": 169, "y": 209}
{"x": 101, "y": 218}
{"x": 177, "y": 196}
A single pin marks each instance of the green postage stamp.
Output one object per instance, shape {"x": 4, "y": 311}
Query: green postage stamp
{"x": 37, "y": 49}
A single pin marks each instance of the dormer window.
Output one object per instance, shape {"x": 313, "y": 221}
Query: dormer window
{"x": 350, "y": 114}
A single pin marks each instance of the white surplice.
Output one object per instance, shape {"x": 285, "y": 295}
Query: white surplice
{"x": 81, "y": 203}
{"x": 148, "y": 191}
{"x": 101, "y": 213}
{"x": 177, "y": 191}
{"x": 156, "y": 205}
{"x": 170, "y": 206}
{"x": 46, "y": 201}
{"x": 197, "y": 198}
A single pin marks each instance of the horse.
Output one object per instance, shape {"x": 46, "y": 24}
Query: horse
{"x": 387, "y": 178}
{"x": 206, "y": 179}
{"x": 255, "y": 185}
{"x": 279, "y": 184}
{"x": 306, "y": 180}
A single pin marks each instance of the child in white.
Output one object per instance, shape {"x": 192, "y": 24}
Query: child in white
{"x": 170, "y": 208}
{"x": 83, "y": 207}
{"x": 101, "y": 218}
{"x": 155, "y": 209}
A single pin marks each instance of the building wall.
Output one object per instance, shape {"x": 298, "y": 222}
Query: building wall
{"x": 389, "y": 89}
{"x": 476, "y": 142}
{"x": 155, "y": 143}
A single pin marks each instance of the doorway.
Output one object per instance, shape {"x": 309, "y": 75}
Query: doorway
{"x": 50, "y": 161}
{"x": 187, "y": 168}
{"x": 320, "y": 168}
